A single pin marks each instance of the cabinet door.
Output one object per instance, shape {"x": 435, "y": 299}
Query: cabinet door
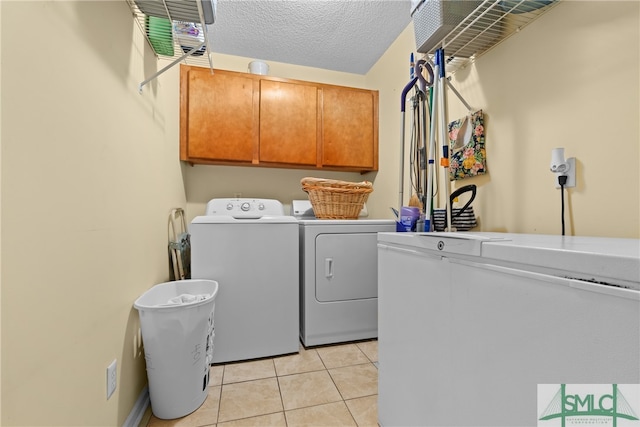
{"x": 350, "y": 128}
{"x": 221, "y": 116}
{"x": 288, "y": 123}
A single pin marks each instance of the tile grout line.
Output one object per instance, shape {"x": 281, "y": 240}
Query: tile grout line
{"x": 277, "y": 376}
{"x": 284, "y": 413}
{"x": 220, "y": 395}
{"x": 337, "y": 388}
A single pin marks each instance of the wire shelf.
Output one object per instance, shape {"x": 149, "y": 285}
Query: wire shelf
{"x": 158, "y": 20}
{"x": 488, "y": 25}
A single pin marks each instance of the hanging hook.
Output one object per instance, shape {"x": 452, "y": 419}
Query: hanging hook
{"x": 423, "y": 83}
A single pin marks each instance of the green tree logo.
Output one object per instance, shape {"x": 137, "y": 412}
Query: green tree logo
{"x": 565, "y": 405}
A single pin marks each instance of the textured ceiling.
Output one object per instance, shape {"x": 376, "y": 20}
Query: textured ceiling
{"x": 339, "y": 35}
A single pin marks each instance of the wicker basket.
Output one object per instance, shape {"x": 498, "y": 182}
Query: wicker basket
{"x": 332, "y": 199}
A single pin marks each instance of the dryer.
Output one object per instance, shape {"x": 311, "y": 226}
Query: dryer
{"x": 338, "y": 277}
{"x": 251, "y": 249}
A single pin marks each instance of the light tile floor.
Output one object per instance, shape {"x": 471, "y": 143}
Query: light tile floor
{"x": 334, "y": 385}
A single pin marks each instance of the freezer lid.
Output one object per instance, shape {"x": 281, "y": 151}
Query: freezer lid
{"x": 444, "y": 242}
{"x": 600, "y": 258}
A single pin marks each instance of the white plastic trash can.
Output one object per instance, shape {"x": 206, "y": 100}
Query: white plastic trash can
{"x": 176, "y": 319}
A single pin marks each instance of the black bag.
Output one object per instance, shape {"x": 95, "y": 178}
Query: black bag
{"x": 463, "y": 218}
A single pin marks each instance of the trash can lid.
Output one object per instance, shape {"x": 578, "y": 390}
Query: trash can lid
{"x": 178, "y": 294}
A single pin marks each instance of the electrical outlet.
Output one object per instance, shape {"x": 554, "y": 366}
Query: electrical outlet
{"x": 571, "y": 174}
{"x": 112, "y": 377}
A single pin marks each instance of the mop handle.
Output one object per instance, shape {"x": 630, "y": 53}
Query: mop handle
{"x": 403, "y": 100}
{"x": 444, "y": 160}
{"x": 422, "y": 82}
{"x": 405, "y": 91}
{"x": 432, "y": 153}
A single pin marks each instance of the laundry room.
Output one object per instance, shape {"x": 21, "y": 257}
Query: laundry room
{"x": 91, "y": 166}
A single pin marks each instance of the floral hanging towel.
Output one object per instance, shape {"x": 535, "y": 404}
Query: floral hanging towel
{"x": 466, "y": 146}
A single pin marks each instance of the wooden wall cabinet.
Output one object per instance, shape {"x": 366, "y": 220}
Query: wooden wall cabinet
{"x": 219, "y": 118}
{"x": 349, "y": 128}
{"x": 288, "y": 123}
{"x": 246, "y": 119}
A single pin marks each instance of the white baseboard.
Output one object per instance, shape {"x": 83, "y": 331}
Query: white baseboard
{"x": 138, "y": 410}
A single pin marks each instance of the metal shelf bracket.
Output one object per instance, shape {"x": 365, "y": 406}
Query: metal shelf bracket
{"x": 183, "y": 57}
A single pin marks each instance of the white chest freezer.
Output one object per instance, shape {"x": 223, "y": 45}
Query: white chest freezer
{"x": 471, "y": 323}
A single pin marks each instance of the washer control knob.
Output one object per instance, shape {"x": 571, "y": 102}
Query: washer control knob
{"x": 229, "y": 206}
{"x": 261, "y": 206}
{"x": 245, "y": 206}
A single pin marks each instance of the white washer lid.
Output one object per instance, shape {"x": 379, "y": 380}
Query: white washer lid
{"x": 228, "y": 219}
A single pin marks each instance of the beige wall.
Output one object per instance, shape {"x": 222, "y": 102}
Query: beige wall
{"x": 0, "y": 218}
{"x": 90, "y": 170}
{"x": 389, "y": 75}
{"x": 89, "y": 174}
{"x": 569, "y": 79}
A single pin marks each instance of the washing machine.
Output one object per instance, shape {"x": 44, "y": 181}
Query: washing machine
{"x": 338, "y": 276}
{"x": 250, "y": 247}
